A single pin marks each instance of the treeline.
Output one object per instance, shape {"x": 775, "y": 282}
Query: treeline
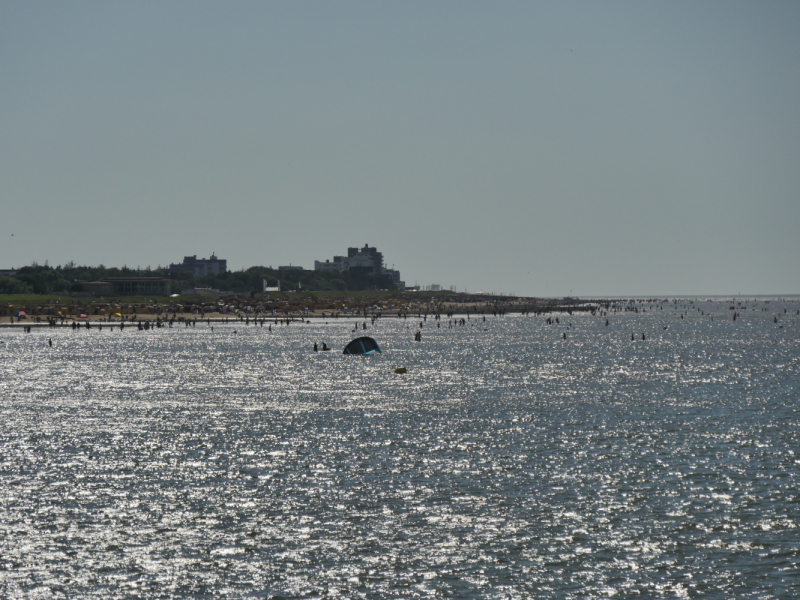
{"x": 44, "y": 279}
{"x": 252, "y": 280}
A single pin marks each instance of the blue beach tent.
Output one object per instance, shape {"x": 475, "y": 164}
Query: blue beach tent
{"x": 362, "y": 345}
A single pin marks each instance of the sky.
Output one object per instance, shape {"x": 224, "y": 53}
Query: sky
{"x": 531, "y": 148}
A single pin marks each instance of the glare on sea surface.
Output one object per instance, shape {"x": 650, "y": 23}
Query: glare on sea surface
{"x": 507, "y": 462}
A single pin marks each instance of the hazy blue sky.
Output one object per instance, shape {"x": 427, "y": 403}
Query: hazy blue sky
{"x": 518, "y": 147}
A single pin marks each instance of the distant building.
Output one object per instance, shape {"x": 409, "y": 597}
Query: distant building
{"x": 200, "y": 266}
{"x": 365, "y": 260}
{"x": 339, "y": 264}
{"x": 272, "y": 286}
{"x": 395, "y": 275}
{"x": 290, "y": 268}
{"x": 7, "y": 272}
{"x": 129, "y": 286}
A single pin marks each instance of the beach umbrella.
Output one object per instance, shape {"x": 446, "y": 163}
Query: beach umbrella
{"x": 117, "y": 314}
{"x": 83, "y": 316}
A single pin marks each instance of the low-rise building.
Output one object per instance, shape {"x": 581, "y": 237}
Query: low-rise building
{"x": 129, "y": 286}
{"x": 395, "y": 275}
{"x": 200, "y": 266}
{"x": 339, "y": 265}
{"x": 272, "y": 286}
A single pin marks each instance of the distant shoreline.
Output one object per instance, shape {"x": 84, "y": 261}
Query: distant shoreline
{"x": 104, "y": 314}
{"x": 358, "y": 314}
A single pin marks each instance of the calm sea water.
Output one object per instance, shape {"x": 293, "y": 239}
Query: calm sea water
{"x": 507, "y": 463}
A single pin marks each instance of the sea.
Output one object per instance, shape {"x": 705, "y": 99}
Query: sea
{"x": 656, "y": 456}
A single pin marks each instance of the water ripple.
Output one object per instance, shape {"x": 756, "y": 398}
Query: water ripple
{"x": 507, "y": 463}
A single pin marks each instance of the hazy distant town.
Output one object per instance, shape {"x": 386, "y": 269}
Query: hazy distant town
{"x": 360, "y": 269}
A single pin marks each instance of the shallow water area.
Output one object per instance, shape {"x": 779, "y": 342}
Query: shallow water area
{"x": 508, "y": 462}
